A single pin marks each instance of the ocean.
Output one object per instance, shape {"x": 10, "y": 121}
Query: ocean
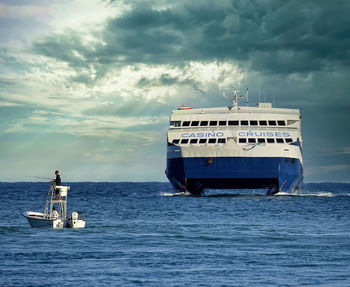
{"x": 136, "y": 236}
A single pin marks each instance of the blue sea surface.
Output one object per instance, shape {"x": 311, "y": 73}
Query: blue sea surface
{"x": 136, "y": 236}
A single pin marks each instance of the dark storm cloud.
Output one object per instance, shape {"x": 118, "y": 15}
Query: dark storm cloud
{"x": 63, "y": 46}
{"x": 274, "y": 36}
{"x": 168, "y": 80}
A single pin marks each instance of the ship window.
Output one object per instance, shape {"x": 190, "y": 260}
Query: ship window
{"x": 293, "y": 160}
{"x": 263, "y": 123}
{"x": 193, "y": 141}
{"x": 253, "y": 123}
{"x": 184, "y": 141}
{"x": 176, "y": 141}
{"x": 233, "y": 123}
{"x": 221, "y": 140}
{"x": 212, "y": 140}
{"x": 242, "y": 140}
{"x": 195, "y": 123}
{"x": 175, "y": 123}
{"x": 261, "y": 140}
{"x": 286, "y": 159}
{"x": 269, "y": 140}
{"x": 272, "y": 123}
{"x": 186, "y": 124}
{"x": 204, "y": 123}
{"x": 252, "y": 140}
{"x": 202, "y": 141}
{"x": 279, "y": 140}
{"x": 290, "y": 122}
{"x": 213, "y": 123}
{"x": 244, "y": 123}
{"x": 222, "y": 123}
{"x": 289, "y": 140}
{"x": 281, "y": 123}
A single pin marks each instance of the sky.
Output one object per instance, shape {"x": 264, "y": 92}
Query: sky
{"x": 87, "y": 86}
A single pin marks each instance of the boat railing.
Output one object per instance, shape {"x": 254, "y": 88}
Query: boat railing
{"x": 56, "y": 195}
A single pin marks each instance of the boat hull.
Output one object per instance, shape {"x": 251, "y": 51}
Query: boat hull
{"x": 35, "y": 219}
{"x": 197, "y": 173}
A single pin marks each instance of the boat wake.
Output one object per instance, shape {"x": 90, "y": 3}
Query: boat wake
{"x": 183, "y": 193}
{"x": 319, "y": 194}
{"x": 280, "y": 194}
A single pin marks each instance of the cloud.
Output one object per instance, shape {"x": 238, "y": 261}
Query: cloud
{"x": 7, "y": 104}
{"x": 266, "y": 36}
{"x": 93, "y": 126}
{"x": 139, "y": 89}
{"x": 338, "y": 151}
{"x": 25, "y": 11}
{"x": 334, "y": 167}
{"x": 106, "y": 74}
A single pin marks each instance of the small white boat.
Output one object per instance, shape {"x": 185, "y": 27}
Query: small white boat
{"x": 37, "y": 219}
{"x": 52, "y": 218}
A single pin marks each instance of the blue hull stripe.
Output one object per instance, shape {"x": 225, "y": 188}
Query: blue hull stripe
{"x": 231, "y": 172}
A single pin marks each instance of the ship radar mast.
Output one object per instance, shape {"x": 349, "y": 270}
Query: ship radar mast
{"x": 237, "y": 98}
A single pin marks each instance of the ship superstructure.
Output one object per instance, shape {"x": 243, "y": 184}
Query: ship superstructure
{"x": 237, "y": 147}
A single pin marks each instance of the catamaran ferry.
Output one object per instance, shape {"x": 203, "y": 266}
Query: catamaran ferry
{"x": 236, "y": 147}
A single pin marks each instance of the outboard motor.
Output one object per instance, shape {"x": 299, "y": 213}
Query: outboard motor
{"x": 74, "y": 218}
{"x": 76, "y": 222}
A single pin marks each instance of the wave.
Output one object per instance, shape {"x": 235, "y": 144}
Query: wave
{"x": 290, "y": 194}
{"x": 321, "y": 194}
{"x": 176, "y": 193}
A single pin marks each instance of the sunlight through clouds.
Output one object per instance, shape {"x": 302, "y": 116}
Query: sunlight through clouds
{"x": 97, "y": 80}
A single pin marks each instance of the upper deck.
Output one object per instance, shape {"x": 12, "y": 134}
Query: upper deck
{"x": 233, "y": 131}
{"x": 261, "y": 116}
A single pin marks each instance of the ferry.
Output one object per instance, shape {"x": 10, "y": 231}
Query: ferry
{"x": 235, "y": 147}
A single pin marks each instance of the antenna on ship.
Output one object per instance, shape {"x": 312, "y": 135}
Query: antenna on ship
{"x": 246, "y": 95}
{"x": 236, "y": 98}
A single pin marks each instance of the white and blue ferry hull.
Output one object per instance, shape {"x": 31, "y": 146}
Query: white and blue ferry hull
{"x": 277, "y": 172}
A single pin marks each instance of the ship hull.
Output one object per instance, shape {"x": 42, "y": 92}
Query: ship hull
{"x": 198, "y": 173}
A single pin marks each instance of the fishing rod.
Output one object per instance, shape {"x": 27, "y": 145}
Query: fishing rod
{"x": 39, "y": 177}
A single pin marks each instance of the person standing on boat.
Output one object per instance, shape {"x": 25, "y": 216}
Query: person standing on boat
{"x": 58, "y": 178}
{"x": 57, "y": 181}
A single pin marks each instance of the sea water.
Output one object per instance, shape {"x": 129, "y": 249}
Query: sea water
{"x": 135, "y": 236}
